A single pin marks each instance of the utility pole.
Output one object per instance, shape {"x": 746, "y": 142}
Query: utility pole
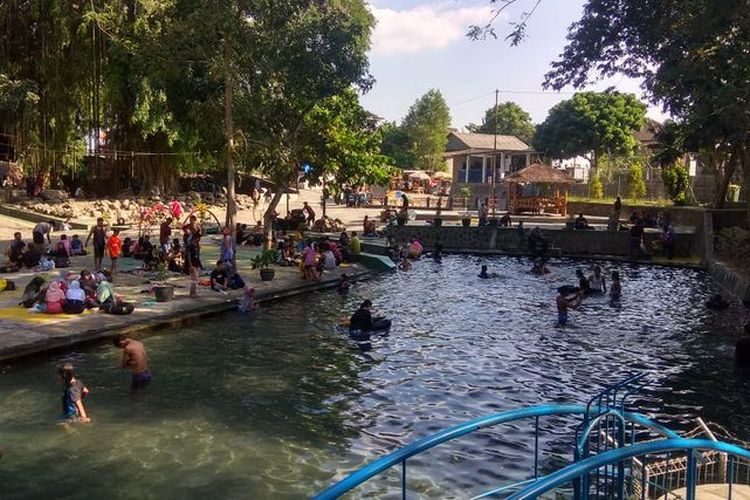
{"x": 494, "y": 158}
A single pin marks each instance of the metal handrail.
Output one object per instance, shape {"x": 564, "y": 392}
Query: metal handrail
{"x": 579, "y": 469}
{"x": 401, "y": 455}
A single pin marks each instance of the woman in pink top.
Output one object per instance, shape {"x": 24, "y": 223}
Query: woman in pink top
{"x": 309, "y": 260}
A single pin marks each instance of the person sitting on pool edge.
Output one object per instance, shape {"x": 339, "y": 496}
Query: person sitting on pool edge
{"x": 219, "y": 277}
{"x": 134, "y": 357}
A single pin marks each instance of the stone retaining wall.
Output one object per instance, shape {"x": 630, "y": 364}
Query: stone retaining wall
{"x": 681, "y": 216}
{"x": 507, "y": 240}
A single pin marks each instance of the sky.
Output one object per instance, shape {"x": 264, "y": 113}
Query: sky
{"x": 418, "y": 45}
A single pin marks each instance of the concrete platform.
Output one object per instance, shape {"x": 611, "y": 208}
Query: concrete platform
{"x": 715, "y": 492}
{"x": 23, "y": 332}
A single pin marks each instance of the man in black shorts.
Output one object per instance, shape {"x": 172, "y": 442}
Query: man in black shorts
{"x": 99, "y": 233}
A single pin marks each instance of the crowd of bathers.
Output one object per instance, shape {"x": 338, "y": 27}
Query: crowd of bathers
{"x": 73, "y": 294}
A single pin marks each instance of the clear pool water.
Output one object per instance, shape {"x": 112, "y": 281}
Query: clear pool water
{"x": 280, "y": 406}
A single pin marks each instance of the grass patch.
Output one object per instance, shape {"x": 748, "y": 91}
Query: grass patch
{"x": 661, "y": 202}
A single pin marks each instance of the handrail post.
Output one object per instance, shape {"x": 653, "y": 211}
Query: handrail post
{"x": 730, "y": 475}
{"x": 690, "y": 477}
{"x": 536, "y": 447}
{"x": 403, "y": 479}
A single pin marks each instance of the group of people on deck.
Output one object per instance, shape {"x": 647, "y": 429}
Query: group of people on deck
{"x": 73, "y": 294}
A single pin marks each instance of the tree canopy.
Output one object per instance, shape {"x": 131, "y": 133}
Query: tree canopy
{"x": 508, "y": 118}
{"x": 694, "y": 58}
{"x": 426, "y": 125}
{"x": 342, "y": 141}
{"x": 153, "y": 77}
{"x": 396, "y": 145}
{"x": 591, "y": 124}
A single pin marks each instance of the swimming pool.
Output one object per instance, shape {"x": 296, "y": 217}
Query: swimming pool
{"x": 279, "y": 406}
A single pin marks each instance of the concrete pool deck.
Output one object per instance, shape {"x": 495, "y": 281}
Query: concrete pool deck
{"x": 23, "y": 332}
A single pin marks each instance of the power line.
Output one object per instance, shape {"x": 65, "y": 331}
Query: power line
{"x": 528, "y": 92}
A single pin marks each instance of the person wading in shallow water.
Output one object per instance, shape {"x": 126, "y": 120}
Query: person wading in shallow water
{"x": 134, "y": 358}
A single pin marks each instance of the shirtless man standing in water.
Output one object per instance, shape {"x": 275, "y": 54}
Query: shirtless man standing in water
{"x": 134, "y": 357}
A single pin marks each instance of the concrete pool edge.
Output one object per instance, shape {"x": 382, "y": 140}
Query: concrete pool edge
{"x": 43, "y": 339}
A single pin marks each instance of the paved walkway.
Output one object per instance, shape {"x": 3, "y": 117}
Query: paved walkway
{"x": 23, "y": 332}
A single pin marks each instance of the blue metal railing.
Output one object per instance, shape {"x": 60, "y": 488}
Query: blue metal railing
{"x": 401, "y": 455}
{"x": 581, "y": 469}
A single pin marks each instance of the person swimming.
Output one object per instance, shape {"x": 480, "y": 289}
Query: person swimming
{"x": 717, "y": 302}
{"x": 563, "y": 304}
{"x": 483, "y": 274}
{"x": 615, "y": 290}
{"x": 344, "y": 284}
{"x": 405, "y": 264}
{"x": 597, "y": 283}
{"x": 248, "y": 304}
{"x": 362, "y": 320}
{"x": 540, "y": 268}
{"x": 584, "y": 286}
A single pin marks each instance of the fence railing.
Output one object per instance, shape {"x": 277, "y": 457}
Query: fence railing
{"x": 401, "y": 456}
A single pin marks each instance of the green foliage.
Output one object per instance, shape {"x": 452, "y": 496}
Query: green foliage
{"x": 396, "y": 145}
{"x": 636, "y": 184}
{"x": 598, "y": 122}
{"x": 693, "y": 57}
{"x": 159, "y": 71}
{"x": 512, "y": 119}
{"x": 427, "y": 124}
{"x": 596, "y": 189}
{"x": 676, "y": 181}
{"x": 464, "y": 192}
{"x": 265, "y": 258}
{"x": 340, "y": 140}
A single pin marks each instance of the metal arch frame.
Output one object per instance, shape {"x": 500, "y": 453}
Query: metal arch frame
{"x": 401, "y": 455}
{"x": 576, "y": 470}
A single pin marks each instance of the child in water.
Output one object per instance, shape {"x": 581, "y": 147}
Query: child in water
{"x": 563, "y": 303}
{"x": 343, "y": 285}
{"x": 483, "y": 274}
{"x": 248, "y": 303}
{"x": 405, "y": 264}
{"x": 72, "y": 400}
{"x": 615, "y": 289}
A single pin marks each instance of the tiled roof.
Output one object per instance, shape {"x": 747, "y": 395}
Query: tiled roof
{"x": 485, "y": 141}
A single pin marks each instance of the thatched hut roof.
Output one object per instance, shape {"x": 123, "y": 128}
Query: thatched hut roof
{"x": 538, "y": 173}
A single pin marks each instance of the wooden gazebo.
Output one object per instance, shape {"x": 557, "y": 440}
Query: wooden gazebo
{"x": 538, "y": 173}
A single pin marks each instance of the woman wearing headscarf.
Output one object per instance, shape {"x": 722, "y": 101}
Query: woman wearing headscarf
{"x": 75, "y": 299}
{"x": 108, "y": 301}
{"x": 54, "y": 298}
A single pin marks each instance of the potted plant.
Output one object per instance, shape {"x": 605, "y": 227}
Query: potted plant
{"x": 263, "y": 262}
{"x": 163, "y": 291}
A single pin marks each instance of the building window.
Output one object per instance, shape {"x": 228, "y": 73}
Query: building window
{"x": 475, "y": 170}
{"x": 462, "y": 172}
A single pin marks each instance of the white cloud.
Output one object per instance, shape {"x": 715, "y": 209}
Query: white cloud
{"x": 424, "y": 27}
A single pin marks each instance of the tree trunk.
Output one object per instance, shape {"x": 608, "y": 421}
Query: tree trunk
{"x": 268, "y": 217}
{"x": 745, "y": 161}
{"x": 724, "y": 168}
{"x": 231, "y": 203}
